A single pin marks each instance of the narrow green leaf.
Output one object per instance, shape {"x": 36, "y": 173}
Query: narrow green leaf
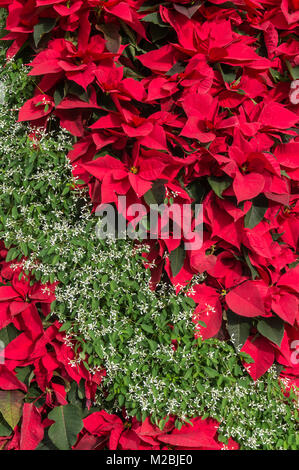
{"x": 156, "y": 194}
{"x": 147, "y": 328}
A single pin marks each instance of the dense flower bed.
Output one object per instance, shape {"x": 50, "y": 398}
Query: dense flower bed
{"x": 176, "y": 102}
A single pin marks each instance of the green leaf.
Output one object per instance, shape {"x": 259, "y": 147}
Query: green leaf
{"x": 253, "y": 271}
{"x": 11, "y": 404}
{"x": 187, "y": 11}
{"x": 200, "y": 387}
{"x": 58, "y": 95}
{"x": 112, "y": 36}
{"x": 219, "y": 185}
{"x": 68, "y": 423}
{"x": 177, "y": 258}
{"x": 198, "y": 190}
{"x": 8, "y": 333}
{"x": 229, "y": 76}
{"x": 121, "y": 400}
{"x": 78, "y": 181}
{"x": 12, "y": 254}
{"x": 147, "y": 328}
{"x": 238, "y": 328}
{"x": 46, "y": 444}
{"x": 276, "y": 236}
{"x": 153, "y": 345}
{"x": 156, "y": 19}
{"x": 43, "y": 27}
{"x": 72, "y": 88}
{"x": 5, "y": 430}
{"x": 272, "y": 328}
{"x": 176, "y": 68}
{"x": 66, "y": 326}
{"x": 277, "y": 76}
{"x": 256, "y": 214}
{"x": 246, "y": 357}
{"x": 294, "y": 71}
{"x": 157, "y": 32}
{"x": 211, "y": 373}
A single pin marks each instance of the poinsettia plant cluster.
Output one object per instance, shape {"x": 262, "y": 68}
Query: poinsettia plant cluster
{"x": 184, "y": 102}
{"x": 101, "y": 428}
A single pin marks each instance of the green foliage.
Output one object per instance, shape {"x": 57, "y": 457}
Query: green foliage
{"x": 5, "y": 429}
{"x": 144, "y": 339}
{"x": 219, "y": 185}
{"x": 68, "y": 423}
{"x": 238, "y": 328}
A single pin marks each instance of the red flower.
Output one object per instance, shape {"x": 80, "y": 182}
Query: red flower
{"x": 118, "y": 177}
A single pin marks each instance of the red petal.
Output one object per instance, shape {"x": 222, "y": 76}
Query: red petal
{"x": 248, "y": 186}
{"x": 263, "y": 354}
{"x": 7, "y": 293}
{"x": 32, "y": 430}
{"x": 8, "y": 380}
{"x": 246, "y": 300}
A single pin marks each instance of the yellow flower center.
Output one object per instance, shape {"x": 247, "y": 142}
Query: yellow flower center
{"x": 134, "y": 170}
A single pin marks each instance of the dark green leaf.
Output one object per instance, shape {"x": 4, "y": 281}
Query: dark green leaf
{"x": 238, "y": 328}
{"x": 294, "y": 71}
{"x": 43, "y": 27}
{"x": 187, "y": 11}
{"x": 8, "y": 333}
{"x": 5, "y": 430}
{"x": 156, "y": 194}
{"x": 11, "y": 404}
{"x": 147, "y": 328}
{"x": 219, "y": 185}
{"x": 177, "y": 258}
{"x": 256, "y": 214}
{"x": 272, "y": 328}
{"x": 112, "y": 36}
{"x": 156, "y": 19}
{"x": 68, "y": 423}
{"x": 176, "y": 68}
{"x": 253, "y": 271}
